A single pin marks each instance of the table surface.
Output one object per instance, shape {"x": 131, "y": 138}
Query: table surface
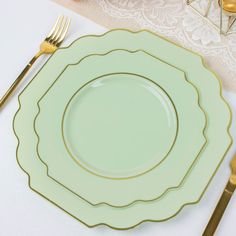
{"x": 22, "y": 211}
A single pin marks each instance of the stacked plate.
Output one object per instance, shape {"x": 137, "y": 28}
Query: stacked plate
{"x": 122, "y": 128}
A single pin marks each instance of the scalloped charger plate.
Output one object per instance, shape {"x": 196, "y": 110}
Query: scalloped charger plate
{"x": 217, "y": 131}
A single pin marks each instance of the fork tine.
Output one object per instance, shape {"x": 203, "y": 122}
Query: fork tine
{"x": 57, "y": 29}
{"x": 54, "y": 27}
{"x": 64, "y": 32}
{"x": 60, "y": 30}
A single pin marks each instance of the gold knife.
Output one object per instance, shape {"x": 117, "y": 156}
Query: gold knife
{"x": 223, "y": 202}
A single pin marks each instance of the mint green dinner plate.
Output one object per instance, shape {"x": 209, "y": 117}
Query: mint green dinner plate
{"x": 108, "y": 137}
{"x": 217, "y": 131}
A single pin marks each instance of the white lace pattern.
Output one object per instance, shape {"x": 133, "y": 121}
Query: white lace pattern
{"x": 176, "y": 20}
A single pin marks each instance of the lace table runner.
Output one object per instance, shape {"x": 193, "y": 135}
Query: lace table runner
{"x": 173, "y": 19}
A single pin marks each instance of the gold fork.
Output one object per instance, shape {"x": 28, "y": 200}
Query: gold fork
{"x": 48, "y": 46}
{"x": 223, "y": 202}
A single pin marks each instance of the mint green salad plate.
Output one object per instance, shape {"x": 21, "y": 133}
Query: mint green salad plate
{"x": 120, "y": 128}
{"x": 192, "y": 188}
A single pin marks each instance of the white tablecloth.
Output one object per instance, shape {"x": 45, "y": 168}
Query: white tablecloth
{"x": 23, "y": 25}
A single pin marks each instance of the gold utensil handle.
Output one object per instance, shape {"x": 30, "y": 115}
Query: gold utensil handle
{"x": 17, "y": 81}
{"x": 219, "y": 210}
